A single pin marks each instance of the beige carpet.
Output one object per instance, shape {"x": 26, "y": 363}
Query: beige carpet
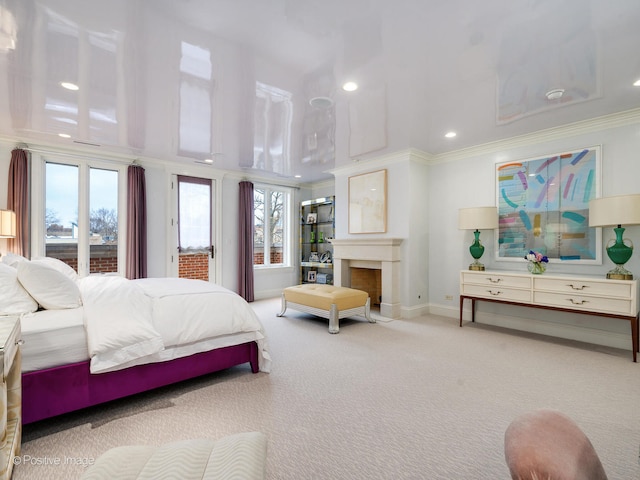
{"x": 402, "y": 399}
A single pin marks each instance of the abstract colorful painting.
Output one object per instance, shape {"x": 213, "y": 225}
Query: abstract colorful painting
{"x": 543, "y": 205}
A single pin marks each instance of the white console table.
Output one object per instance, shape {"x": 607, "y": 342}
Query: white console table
{"x": 568, "y": 293}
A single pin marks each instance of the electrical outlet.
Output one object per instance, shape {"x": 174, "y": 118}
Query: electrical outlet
{"x": 448, "y": 297}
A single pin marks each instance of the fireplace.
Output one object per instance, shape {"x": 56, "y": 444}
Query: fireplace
{"x": 374, "y": 254}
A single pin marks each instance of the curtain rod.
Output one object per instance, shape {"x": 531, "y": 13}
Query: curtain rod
{"x": 273, "y": 184}
{"x": 83, "y": 156}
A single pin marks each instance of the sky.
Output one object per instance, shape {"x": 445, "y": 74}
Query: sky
{"x": 62, "y": 191}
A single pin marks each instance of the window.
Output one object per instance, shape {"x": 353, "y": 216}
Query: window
{"x": 194, "y": 214}
{"x": 81, "y": 220}
{"x": 271, "y": 227}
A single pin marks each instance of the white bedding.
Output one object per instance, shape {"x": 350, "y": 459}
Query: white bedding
{"x": 53, "y": 338}
{"x": 131, "y": 322}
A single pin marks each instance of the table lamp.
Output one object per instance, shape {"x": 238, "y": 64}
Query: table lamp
{"x": 7, "y": 224}
{"x": 477, "y": 218}
{"x": 615, "y": 212}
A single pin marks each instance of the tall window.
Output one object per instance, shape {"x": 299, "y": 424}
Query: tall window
{"x": 81, "y": 216}
{"x": 270, "y": 238}
{"x": 194, "y": 214}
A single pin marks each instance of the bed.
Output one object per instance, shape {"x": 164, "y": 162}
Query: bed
{"x": 103, "y": 337}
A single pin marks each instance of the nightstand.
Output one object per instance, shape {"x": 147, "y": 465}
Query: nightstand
{"x": 10, "y": 394}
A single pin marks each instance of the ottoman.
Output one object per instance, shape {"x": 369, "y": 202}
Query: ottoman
{"x": 327, "y": 301}
{"x": 239, "y": 457}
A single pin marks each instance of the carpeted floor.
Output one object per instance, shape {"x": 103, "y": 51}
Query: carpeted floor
{"x": 401, "y": 399}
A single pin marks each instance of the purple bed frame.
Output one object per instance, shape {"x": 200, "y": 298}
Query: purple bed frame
{"x": 58, "y": 390}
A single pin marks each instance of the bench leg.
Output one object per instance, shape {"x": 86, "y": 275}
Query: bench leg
{"x": 334, "y": 321}
{"x": 284, "y": 307}
{"x": 367, "y": 311}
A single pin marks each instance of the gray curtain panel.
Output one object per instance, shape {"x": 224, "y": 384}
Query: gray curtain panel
{"x": 136, "y": 223}
{"x": 245, "y": 242}
{"x": 18, "y": 200}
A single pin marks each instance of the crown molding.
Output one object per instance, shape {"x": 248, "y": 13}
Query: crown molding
{"x": 401, "y": 156}
{"x": 605, "y": 122}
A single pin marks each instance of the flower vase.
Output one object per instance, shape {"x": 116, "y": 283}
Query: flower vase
{"x": 536, "y": 268}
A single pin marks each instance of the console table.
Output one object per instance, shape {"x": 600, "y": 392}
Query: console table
{"x": 567, "y": 293}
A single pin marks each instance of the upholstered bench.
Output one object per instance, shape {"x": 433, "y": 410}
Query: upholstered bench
{"x": 327, "y": 301}
{"x": 241, "y": 456}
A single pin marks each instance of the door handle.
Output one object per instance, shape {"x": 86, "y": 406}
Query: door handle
{"x": 212, "y": 249}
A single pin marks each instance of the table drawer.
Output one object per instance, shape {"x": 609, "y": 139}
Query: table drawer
{"x": 605, "y": 289}
{"x": 496, "y": 279}
{"x": 497, "y": 293}
{"x": 617, "y": 306}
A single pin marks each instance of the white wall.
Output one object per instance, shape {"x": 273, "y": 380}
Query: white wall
{"x": 467, "y": 179}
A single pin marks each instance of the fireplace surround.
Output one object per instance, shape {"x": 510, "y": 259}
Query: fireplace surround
{"x": 380, "y": 254}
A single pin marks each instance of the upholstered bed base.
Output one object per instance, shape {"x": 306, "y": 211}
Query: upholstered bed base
{"x": 58, "y": 390}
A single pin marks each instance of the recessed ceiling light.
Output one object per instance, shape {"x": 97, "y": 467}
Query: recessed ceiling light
{"x": 298, "y": 176}
{"x": 64, "y": 135}
{"x": 450, "y": 134}
{"x": 69, "y": 86}
{"x": 208, "y": 160}
{"x": 554, "y": 94}
{"x": 350, "y": 86}
{"x": 636, "y": 83}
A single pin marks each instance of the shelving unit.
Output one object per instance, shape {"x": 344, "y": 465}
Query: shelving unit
{"x": 317, "y": 227}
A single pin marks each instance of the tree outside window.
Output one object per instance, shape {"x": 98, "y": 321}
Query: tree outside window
{"x": 269, "y": 237}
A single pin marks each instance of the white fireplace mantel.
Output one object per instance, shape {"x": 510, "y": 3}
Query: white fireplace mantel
{"x": 376, "y": 253}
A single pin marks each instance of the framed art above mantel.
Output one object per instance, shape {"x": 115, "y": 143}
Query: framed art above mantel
{"x": 543, "y": 205}
{"x": 368, "y": 202}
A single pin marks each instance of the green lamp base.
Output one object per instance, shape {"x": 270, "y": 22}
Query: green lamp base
{"x": 476, "y": 249}
{"x": 619, "y": 253}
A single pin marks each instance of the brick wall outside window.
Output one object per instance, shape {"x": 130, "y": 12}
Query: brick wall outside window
{"x": 194, "y": 265}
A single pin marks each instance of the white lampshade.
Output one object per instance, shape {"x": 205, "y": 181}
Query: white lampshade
{"x": 614, "y": 211}
{"x": 7, "y": 224}
{"x": 478, "y": 218}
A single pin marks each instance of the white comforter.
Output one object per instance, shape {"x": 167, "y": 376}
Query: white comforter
{"x": 129, "y": 322}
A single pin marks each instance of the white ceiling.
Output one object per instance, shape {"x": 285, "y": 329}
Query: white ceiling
{"x": 424, "y": 67}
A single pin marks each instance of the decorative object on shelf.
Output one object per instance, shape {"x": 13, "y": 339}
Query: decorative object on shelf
{"x": 311, "y": 276}
{"x": 615, "y": 212}
{"x": 325, "y": 278}
{"x": 312, "y": 238}
{"x": 325, "y": 257}
{"x": 368, "y": 202}
{"x": 477, "y": 218}
{"x": 314, "y": 257}
{"x": 536, "y": 262}
{"x": 312, "y": 218}
{"x": 7, "y": 224}
{"x": 320, "y": 237}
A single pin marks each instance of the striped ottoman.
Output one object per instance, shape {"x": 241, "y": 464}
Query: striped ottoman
{"x": 327, "y": 301}
{"x": 241, "y": 456}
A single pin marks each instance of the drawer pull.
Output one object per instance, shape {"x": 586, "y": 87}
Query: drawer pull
{"x": 20, "y": 342}
{"x": 579, "y": 302}
{"x": 577, "y": 287}
{"x": 494, "y": 280}
{"x": 495, "y": 294}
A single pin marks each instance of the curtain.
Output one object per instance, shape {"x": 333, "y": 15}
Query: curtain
{"x": 136, "y": 223}
{"x": 245, "y": 242}
{"x": 18, "y": 201}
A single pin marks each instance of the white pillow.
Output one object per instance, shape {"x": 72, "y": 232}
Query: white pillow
{"x": 58, "y": 265}
{"x": 12, "y": 259}
{"x": 50, "y": 288}
{"x": 14, "y": 299}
